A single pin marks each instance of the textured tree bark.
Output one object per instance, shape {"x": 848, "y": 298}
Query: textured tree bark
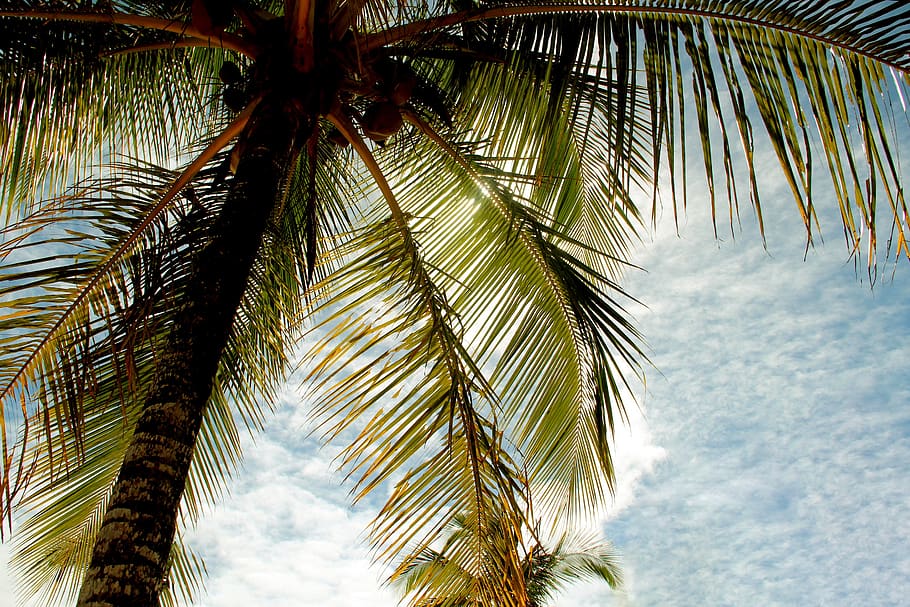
{"x": 130, "y": 556}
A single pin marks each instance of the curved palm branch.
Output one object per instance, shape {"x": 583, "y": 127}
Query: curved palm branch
{"x": 797, "y": 59}
{"x": 555, "y": 290}
{"x": 92, "y": 368}
{"x": 51, "y": 62}
{"x": 76, "y": 457}
{"x": 471, "y": 471}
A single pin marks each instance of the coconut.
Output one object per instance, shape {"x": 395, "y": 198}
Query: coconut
{"x": 381, "y": 120}
{"x": 230, "y": 73}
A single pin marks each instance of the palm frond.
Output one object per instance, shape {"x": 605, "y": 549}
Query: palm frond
{"x": 442, "y": 578}
{"x": 397, "y": 329}
{"x": 843, "y": 64}
{"x": 538, "y": 317}
{"x": 571, "y": 558}
{"x": 135, "y": 104}
{"x": 472, "y": 472}
{"x": 84, "y": 377}
{"x": 87, "y": 300}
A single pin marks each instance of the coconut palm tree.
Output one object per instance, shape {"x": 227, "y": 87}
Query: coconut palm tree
{"x": 442, "y": 190}
{"x": 451, "y": 576}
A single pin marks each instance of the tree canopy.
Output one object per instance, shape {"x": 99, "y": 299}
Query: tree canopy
{"x": 441, "y": 195}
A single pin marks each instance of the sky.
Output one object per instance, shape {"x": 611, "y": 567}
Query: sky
{"x": 766, "y": 464}
{"x": 780, "y": 409}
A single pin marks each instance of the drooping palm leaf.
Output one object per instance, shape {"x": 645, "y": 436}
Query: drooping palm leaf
{"x": 530, "y": 306}
{"x": 119, "y": 103}
{"x": 409, "y": 338}
{"x": 90, "y": 397}
{"x": 832, "y": 60}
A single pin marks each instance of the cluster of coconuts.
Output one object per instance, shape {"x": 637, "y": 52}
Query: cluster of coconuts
{"x": 395, "y": 84}
{"x": 234, "y": 96}
{"x": 392, "y": 86}
{"x": 382, "y": 87}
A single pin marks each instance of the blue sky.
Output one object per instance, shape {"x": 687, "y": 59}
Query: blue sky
{"x": 781, "y": 404}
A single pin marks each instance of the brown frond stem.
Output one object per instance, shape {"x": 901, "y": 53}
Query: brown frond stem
{"x": 371, "y": 42}
{"x": 157, "y": 46}
{"x": 223, "y": 40}
{"x": 301, "y": 19}
{"x": 344, "y": 125}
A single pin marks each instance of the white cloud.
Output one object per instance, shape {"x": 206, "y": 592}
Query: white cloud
{"x": 287, "y": 535}
{"x": 7, "y": 598}
{"x": 636, "y": 456}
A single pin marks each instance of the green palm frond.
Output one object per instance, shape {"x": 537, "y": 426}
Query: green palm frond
{"x": 534, "y": 312}
{"x": 442, "y": 578}
{"x": 571, "y": 558}
{"x": 84, "y": 304}
{"x": 86, "y": 461}
{"x": 436, "y": 440}
{"x": 119, "y": 103}
{"x": 840, "y": 67}
{"x": 86, "y": 364}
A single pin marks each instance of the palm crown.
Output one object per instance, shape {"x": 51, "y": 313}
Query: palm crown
{"x": 444, "y": 190}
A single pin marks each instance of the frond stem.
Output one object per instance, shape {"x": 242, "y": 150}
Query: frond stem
{"x": 467, "y": 413}
{"x": 301, "y": 21}
{"x": 233, "y": 130}
{"x": 346, "y": 17}
{"x": 223, "y": 40}
{"x": 343, "y": 124}
{"x": 157, "y": 46}
{"x": 371, "y": 42}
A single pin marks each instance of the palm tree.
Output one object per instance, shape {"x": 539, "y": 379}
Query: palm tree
{"x": 452, "y": 577}
{"x": 444, "y": 190}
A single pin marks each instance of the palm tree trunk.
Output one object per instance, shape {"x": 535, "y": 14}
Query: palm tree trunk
{"x": 130, "y": 556}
